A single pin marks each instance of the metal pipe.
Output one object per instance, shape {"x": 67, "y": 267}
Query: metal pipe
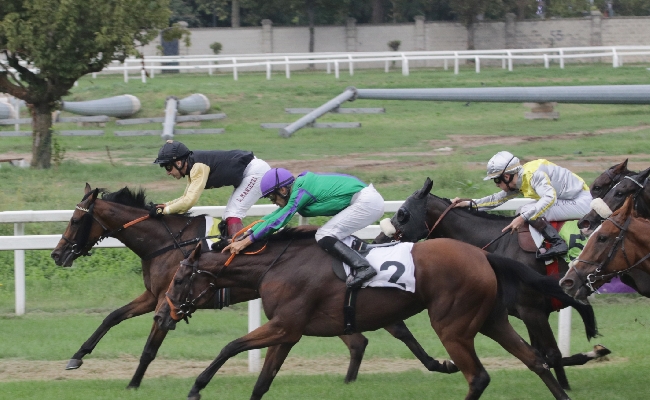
{"x": 171, "y": 107}
{"x": 348, "y": 94}
{"x": 119, "y": 106}
{"x": 606, "y": 94}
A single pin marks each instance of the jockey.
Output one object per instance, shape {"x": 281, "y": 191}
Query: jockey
{"x": 213, "y": 169}
{"x": 561, "y": 195}
{"x": 353, "y": 204}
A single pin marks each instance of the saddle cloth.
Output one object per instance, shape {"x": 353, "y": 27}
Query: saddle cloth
{"x": 211, "y": 228}
{"x": 394, "y": 266}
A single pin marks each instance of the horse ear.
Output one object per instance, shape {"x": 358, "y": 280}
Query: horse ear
{"x": 95, "y": 193}
{"x": 628, "y": 206}
{"x": 87, "y": 189}
{"x": 643, "y": 175}
{"x": 196, "y": 253}
{"x": 622, "y": 167}
{"x": 426, "y": 189}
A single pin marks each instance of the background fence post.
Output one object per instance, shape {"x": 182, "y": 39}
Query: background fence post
{"x": 254, "y": 318}
{"x": 19, "y": 271}
{"x": 564, "y": 332}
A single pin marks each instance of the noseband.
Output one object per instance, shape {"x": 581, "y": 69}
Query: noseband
{"x": 79, "y": 244}
{"x": 187, "y": 308}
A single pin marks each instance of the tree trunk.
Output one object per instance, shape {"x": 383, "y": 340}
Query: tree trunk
{"x": 310, "y": 17}
{"x": 234, "y": 18}
{"x": 41, "y": 136}
{"x": 471, "y": 27}
{"x": 377, "y": 12}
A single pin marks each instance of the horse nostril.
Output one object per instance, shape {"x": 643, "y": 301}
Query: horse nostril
{"x": 566, "y": 283}
{"x": 584, "y": 224}
{"x": 402, "y": 216}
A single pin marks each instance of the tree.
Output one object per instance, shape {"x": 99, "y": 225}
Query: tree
{"x": 468, "y": 11}
{"x": 50, "y": 44}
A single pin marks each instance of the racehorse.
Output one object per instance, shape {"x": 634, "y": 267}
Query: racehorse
{"x": 463, "y": 288}
{"x": 161, "y": 244}
{"x": 605, "y": 181}
{"x": 424, "y": 215}
{"x": 636, "y": 186}
{"x": 619, "y": 246}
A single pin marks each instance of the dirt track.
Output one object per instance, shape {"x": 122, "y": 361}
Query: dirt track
{"x": 123, "y": 368}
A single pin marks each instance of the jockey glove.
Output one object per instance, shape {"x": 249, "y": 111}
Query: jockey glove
{"x": 157, "y": 211}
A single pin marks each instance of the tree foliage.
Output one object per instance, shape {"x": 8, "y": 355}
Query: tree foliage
{"x": 50, "y": 44}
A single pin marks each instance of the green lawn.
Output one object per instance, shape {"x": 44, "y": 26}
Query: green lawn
{"x": 64, "y": 306}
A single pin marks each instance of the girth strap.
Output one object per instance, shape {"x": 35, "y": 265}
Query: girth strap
{"x": 222, "y": 298}
{"x": 349, "y": 311}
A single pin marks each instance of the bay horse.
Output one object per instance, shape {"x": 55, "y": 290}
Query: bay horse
{"x": 463, "y": 288}
{"x": 618, "y": 246}
{"x": 424, "y": 215}
{"x": 605, "y": 181}
{"x": 636, "y": 186}
{"x": 156, "y": 242}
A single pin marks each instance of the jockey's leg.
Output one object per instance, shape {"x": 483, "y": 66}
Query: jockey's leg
{"x": 362, "y": 269}
{"x": 558, "y": 245}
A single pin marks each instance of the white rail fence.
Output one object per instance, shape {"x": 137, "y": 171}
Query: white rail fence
{"x": 336, "y": 61}
{"x": 21, "y": 242}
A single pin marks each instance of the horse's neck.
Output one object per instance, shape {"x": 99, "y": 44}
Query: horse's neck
{"x": 147, "y": 236}
{"x": 468, "y": 228}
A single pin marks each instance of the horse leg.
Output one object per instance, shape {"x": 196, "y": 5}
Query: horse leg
{"x": 500, "y": 330}
{"x": 143, "y": 304}
{"x": 357, "y": 345}
{"x": 542, "y": 337}
{"x": 155, "y": 339}
{"x": 275, "y": 356}
{"x": 583, "y": 358}
{"x": 270, "y": 334}
{"x": 400, "y": 331}
{"x": 457, "y": 335}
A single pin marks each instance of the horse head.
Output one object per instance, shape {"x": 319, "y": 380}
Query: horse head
{"x": 409, "y": 222}
{"x": 190, "y": 288}
{"x": 608, "y": 179}
{"x": 82, "y": 233}
{"x": 613, "y": 200}
{"x": 601, "y": 260}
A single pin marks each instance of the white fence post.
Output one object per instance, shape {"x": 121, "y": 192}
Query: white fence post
{"x": 19, "y": 271}
{"x": 477, "y": 63}
{"x": 509, "y": 60}
{"x": 350, "y": 65}
{"x": 234, "y": 69}
{"x": 268, "y": 70}
{"x": 455, "y": 63}
{"x": 561, "y": 59}
{"x": 254, "y": 320}
{"x": 405, "y": 65}
{"x": 126, "y": 72}
{"x": 336, "y": 69}
{"x": 546, "y": 61}
{"x": 564, "y": 332}
{"x": 287, "y": 68}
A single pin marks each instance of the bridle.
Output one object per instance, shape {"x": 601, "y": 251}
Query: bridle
{"x": 189, "y": 305}
{"x": 80, "y": 246}
{"x": 599, "y": 273}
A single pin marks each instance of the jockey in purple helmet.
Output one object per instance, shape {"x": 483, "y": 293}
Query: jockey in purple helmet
{"x": 352, "y": 203}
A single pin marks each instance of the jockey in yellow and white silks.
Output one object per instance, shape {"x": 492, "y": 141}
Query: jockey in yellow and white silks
{"x": 561, "y": 195}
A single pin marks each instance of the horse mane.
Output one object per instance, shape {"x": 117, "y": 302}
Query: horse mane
{"x": 127, "y": 197}
{"x": 473, "y": 212}
{"x": 297, "y": 233}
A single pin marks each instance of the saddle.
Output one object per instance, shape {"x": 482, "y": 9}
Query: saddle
{"x": 526, "y": 241}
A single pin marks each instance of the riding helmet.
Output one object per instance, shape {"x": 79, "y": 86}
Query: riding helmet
{"x": 172, "y": 151}
{"x": 274, "y": 179}
{"x": 502, "y": 163}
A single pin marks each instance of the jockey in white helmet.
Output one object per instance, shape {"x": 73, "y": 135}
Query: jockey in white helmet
{"x": 561, "y": 195}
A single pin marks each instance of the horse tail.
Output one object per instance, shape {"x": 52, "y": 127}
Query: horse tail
{"x": 511, "y": 272}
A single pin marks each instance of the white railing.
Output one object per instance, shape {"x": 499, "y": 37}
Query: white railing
{"x": 236, "y": 63}
{"x": 267, "y": 61}
{"x": 20, "y": 242}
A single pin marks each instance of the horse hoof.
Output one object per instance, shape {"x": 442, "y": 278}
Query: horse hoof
{"x": 601, "y": 351}
{"x": 194, "y": 397}
{"x": 74, "y": 364}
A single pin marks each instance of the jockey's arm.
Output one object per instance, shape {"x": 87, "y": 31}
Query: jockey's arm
{"x": 541, "y": 183}
{"x": 197, "y": 179}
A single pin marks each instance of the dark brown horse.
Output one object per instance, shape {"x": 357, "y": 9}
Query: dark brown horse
{"x": 463, "y": 288}
{"x": 416, "y": 220}
{"x": 619, "y": 246}
{"x": 605, "y": 181}
{"x": 156, "y": 242}
{"x": 638, "y": 187}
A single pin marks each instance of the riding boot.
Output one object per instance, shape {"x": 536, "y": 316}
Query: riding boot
{"x": 234, "y": 225}
{"x": 558, "y": 245}
{"x": 361, "y": 269}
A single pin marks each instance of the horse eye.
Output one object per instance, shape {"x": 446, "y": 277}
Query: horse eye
{"x": 602, "y": 238}
{"x": 619, "y": 194}
{"x": 597, "y": 187}
{"x": 74, "y": 221}
{"x": 402, "y": 216}
{"x": 178, "y": 281}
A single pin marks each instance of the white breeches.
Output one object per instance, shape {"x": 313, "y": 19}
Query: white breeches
{"x": 248, "y": 191}
{"x": 564, "y": 210}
